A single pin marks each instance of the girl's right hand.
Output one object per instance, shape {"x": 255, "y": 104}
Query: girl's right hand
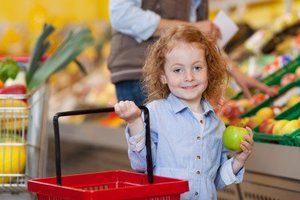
{"x": 128, "y": 111}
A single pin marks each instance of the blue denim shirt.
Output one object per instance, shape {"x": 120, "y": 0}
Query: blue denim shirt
{"x": 184, "y": 149}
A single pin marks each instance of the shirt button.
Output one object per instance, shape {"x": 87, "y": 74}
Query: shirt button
{"x": 198, "y": 172}
{"x": 196, "y": 193}
{"x": 198, "y": 157}
{"x": 201, "y": 121}
{"x": 198, "y": 137}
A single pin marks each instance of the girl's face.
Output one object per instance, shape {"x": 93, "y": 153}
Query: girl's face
{"x": 185, "y": 72}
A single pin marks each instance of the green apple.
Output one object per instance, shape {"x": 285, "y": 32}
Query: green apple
{"x": 233, "y": 136}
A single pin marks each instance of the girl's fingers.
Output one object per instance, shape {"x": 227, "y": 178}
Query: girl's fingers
{"x": 117, "y": 108}
{"x": 249, "y": 130}
{"x": 247, "y": 145}
{"x": 245, "y": 150}
{"x": 249, "y": 139}
{"x": 127, "y": 110}
{"x": 121, "y": 108}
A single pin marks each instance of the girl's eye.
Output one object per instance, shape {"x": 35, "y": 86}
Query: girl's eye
{"x": 197, "y": 68}
{"x": 177, "y": 70}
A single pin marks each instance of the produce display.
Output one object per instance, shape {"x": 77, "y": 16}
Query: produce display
{"x": 271, "y": 107}
{"x": 279, "y": 127}
{"x": 18, "y": 82}
{"x": 266, "y": 39}
{"x": 265, "y": 114}
{"x": 273, "y": 119}
{"x": 13, "y": 120}
{"x": 283, "y": 129}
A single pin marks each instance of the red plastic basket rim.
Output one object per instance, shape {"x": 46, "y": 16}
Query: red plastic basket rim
{"x": 162, "y": 186}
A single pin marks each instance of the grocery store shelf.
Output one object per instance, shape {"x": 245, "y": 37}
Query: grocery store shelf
{"x": 272, "y": 181}
{"x": 276, "y": 160}
{"x": 91, "y": 133}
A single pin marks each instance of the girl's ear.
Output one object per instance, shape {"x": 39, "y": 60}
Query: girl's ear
{"x": 163, "y": 79}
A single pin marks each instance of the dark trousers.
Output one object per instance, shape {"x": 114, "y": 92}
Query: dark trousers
{"x": 130, "y": 90}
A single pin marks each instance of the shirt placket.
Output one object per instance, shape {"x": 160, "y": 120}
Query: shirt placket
{"x": 198, "y": 154}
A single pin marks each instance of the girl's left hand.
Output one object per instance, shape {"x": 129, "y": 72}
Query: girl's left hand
{"x": 246, "y": 147}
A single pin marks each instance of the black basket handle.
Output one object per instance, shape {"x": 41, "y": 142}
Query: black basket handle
{"x": 93, "y": 111}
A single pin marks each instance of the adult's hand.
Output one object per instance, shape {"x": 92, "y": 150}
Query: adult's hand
{"x": 246, "y": 82}
{"x": 209, "y": 28}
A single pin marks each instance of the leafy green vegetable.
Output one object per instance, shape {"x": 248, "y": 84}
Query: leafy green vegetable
{"x": 39, "y": 50}
{"x": 67, "y": 52}
{"x": 9, "y": 69}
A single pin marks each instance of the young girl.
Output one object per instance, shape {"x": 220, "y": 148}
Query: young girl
{"x": 184, "y": 72}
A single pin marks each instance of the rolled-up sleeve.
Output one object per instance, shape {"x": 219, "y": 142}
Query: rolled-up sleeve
{"x": 226, "y": 176}
{"x": 128, "y": 17}
{"x": 136, "y": 142}
{"x": 136, "y": 150}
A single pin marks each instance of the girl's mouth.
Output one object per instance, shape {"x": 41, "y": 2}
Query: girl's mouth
{"x": 189, "y": 87}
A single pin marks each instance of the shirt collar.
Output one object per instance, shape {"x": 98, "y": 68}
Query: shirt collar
{"x": 178, "y": 105}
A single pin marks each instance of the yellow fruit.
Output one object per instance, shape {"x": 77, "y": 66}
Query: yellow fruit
{"x": 12, "y": 160}
{"x": 14, "y": 125}
{"x": 293, "y": 101}
{"x": 265, "y": 113}
{"x": 12, "y": 103}
{"x": 13, "y": 114}
{"x": 245, "y": 103}
{"x": 257, "y": 119}
{"x": 290, "y": 127}
{"x": 278, "y": 126}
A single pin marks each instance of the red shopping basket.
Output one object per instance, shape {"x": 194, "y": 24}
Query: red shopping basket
{"x": 110, "y": 185}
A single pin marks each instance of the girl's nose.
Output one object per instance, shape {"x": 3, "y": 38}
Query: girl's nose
{"x": 189, "y": 76}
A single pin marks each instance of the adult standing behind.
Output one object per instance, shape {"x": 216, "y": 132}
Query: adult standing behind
{"x": 138, "y": 23}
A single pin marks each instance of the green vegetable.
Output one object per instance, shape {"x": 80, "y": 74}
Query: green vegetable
{"x": 67, "y": 52}
{"x": 8, "y": 69}
{"x": 40, "y": 49}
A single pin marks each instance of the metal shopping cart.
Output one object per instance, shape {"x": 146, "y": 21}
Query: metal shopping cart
{"x": 23, "y": 140}
{"x": 114, "y": 185}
